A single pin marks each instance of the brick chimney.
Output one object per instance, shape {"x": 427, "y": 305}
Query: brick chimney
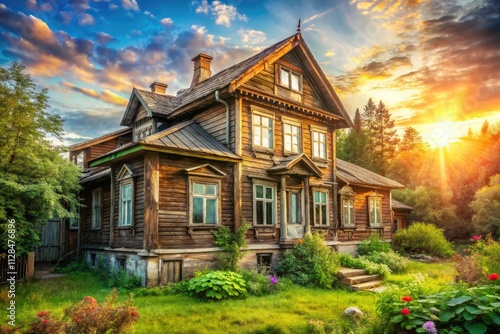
{"x": 202, "y": 69}
{"x": 158, "y": 88}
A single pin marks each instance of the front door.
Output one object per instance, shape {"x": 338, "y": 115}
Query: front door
{"x": 295, "y": 226}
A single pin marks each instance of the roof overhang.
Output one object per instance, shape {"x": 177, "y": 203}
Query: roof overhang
{"x": 299, "y": 164}
{"x": 133, "y": 102}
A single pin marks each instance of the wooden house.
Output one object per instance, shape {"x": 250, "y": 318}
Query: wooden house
{"x": 254, "y": 142}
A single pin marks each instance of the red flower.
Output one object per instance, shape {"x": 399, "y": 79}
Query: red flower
{"x": 405, "y": 311}
{"x": 45, "y": 321}
{"x": 406, "y": 299}
{"x": 41, "y": 314}
{"x": 493, "y": 277}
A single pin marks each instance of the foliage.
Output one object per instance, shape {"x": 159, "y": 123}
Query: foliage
{"x": 88, "y": 317}
{"x": 469, "y": 269}
{"x": 421, "y": 238}
{"x": 122, "y": 280}
{"x": 459, "y": 310}
{"x": 79, "y": 265}
{"x": 486, "y": 207}
{"x": 217, "y": 285}
{"x": 488, "y": 251}
{"x": 409, "y": 158}
{"x": 395, "y": 262}
{"x": 347, "y": 260}
{"x": 374, "y": 244}
{"x": 310, "y": 263}
{"x": 35, "y": 181}
{"x": 259, "y": 284}
{"x": 231, "y": 244}
{"x": 353, "y": 144}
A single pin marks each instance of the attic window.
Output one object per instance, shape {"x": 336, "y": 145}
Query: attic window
{"x": 290, "y": 79}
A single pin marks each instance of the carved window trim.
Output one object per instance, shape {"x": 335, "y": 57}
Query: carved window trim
{"x": 284, "y": 71}
{"x": 264, "y": 200}
{"x": 194, "y": 180}
{"x": 318, "y": 201}
{"x": 319, "y": 143}
{"x": 347, "y": 207}
{"x": 125, "y": 180}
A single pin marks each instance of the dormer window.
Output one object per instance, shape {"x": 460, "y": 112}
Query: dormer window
{"x": 290, "y": 79}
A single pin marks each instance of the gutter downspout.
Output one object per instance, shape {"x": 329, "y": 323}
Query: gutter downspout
{"x": 227, "y": 115}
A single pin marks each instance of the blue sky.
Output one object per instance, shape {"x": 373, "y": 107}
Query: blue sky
{"x": 435, "y": 64}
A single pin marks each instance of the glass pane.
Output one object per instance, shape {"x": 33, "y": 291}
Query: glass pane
{"x": 198, "y": 189}
{"x": 256, "y": 135}
{"x": 288, "y": 128}
{"x": 323, "y": 197}
{"x": 351, "y": 213}
{"x": 294, "y": 219}
{"x": 210, "y": 189}
{"x": 269, "y": 193}
{"x": 256, "y": 119}
{"x": 316, "y": 197}
{"x": 270, "y": 136}
{"x": 265, "y": 122}
{"x": 315, "y": 136}
{"x": 265, "y": 139}
{"x": 129, "y": 213}
{"x": 323, "y": 215}
{"x": 269, "y": 213}
{"x": 259, "y": 191}
{"x": 345, "y": 217}
{"x": 295, "y": 82}
{"x": 317, "y": 214}
{"x": 284, "y": 77}
{"x": 259, "y": 212}
{"x": 211, "y": 211}
{"x": 198, "y": 210}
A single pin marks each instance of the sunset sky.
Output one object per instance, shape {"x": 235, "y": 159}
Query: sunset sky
{"x": 435, "y": 64}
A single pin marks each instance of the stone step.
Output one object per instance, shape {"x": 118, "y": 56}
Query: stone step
{"x": 365, "y": 285}
{"x": 349, "y": 272}
{"x": 359, "y": 279}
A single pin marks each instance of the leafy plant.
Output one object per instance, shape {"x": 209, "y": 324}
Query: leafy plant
{"x": 122, "y": 280}
{"x": 395, "y": 262}
{"x": 421, "y": 238}
{"x": 347, "y": 260}
{"x": 259, "y": 284}
{"x": 310, "y": 263}
{"x": 374, "y": 244}
{"x": 231, "y": 244}
{"x": 217, "y": 285}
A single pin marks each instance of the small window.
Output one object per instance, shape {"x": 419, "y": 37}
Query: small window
{"x": 96, "y": 209}
{"x": 125, "y": 218}
{"x": 264, "y": 261}
{"x": 93, "y": 259}
{"x": 204, "y": 202}
{"x": 320, "y": 208}
{"x": 171, "y": 271}
{"x": 262, "y": 131}
{"x": 74, "y": 222}
{"x": 375, "y": 210}
{"x": 121, "y": 263}
{"x": 291, "y": 134}
{"x": 264, "y": 204}
{"x": 319, "y": 144}
{"x": 347, "y": 208}
{"x": 290, "y": 79}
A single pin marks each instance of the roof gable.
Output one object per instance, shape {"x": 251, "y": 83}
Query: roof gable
{"x": 299, "y": 164}
{"x": 205, "y": 170}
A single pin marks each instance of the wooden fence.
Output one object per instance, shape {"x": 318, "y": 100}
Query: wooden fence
{"x": 24, "y": 267}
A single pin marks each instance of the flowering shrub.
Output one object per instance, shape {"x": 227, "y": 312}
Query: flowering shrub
{"x": 217, "y": 285}
{"x": 429, "y": 327}
{"x": 87, "y": 316}
{"x": 469, "y": 269}
{"x": 260, "y": 285}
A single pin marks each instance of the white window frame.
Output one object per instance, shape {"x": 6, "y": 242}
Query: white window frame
{"x": 298, "y": 193}
{"x": 261, "y": 128}
{"x": 375, "y": 210}
{"x": 347, "y": 207}
{"x": 319, "y": 147}
{"x": 290, "y": 134}
{"x": 317, "y": 220}
{"x": 217, "y": 197}
{"x": 291, "y": 73}
{"x": 96, "y": 209}
{"x": 265, "y": 185}
{"x": 126, "y": 220}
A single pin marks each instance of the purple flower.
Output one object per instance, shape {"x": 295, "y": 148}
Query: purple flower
{"x": 273, "y": 279}
{"x": 430, "y": 327}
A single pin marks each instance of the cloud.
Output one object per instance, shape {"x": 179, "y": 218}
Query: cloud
{"x": 31, "y": 4}
{"x": 103, "y": 38}
{"x": 105, "y": 95}
{"x": 252, "y": 36}
{"x": 113, "y": 98}
{"x": 329, "y": 53}
{"x": 85, "y": 91}
{"x": 167, "y": 22}
{"x": 130, "y": 5}
{"x": 86, "y": 19}
{"x": 317, "y": 16}
{"x": 148, "y": 13}
{"x": 223, "y": 14}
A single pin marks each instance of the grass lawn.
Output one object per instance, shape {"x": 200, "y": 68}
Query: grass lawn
{"x": 285, "y": 312}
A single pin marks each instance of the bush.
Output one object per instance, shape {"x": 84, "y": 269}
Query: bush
{"x": 468, "y": 269}
{"x": 395, "y": 262}
{"x": 217, "y": 285}
{"x": 259, "y": 284}
{"x": 488, "y": 251}
{"x": 310, "y": 263}
{"x": 121, "y": 280}
{"x": 346, "y": 260}
{"x": 231, "y": 244}
{"x": 373, "y": 245}
{"x": 421, "y": 238}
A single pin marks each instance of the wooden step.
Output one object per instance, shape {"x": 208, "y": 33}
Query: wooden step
{"x": 365, "y": 285}
{"x": 359, "y": 279}
{"x": 349, "y": 272}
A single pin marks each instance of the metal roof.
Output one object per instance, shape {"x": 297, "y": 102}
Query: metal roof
{"x": 355, "y": 175}
{"x": 398, "y": 205}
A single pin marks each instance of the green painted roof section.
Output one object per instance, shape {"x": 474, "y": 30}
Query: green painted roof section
{"x": 118, "y": 154}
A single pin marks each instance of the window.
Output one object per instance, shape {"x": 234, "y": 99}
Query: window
{"x": 291, "y": 140}
{"x": 319, "y": 144}
{"x": 264, "y": 204}
{"x": 264, "y": 261}
{"x": 96, "y": 209}
{"x": 347, "y": 207}
{"x": 125, "y": 218}
{"x": 294, "y": 216}
{"x": 320, "y": 208}
{"x": 262, "y": 131}
{"x": 375, "y": 210}
{"x": 74, "y": 222}
{"x": 290, "y": 79}
{"x": 204, "y": 203}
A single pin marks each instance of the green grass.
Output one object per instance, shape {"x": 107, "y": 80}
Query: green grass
{"x": 285, "y": 312}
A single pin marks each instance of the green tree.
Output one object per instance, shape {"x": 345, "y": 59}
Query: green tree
{"x": 353, "y": 144}
{"x": 35, "y": 181}
{"x": 384, "y": 139}
{"x": 409, "y": 158}
{"x": 486, "y": 207}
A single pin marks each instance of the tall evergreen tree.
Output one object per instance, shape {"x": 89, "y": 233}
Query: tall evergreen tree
{"x": 353, "y": 144}
{"x": 409, "y": 159}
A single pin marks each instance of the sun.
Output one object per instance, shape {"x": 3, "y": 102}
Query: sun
{"x": 442, "y": 134}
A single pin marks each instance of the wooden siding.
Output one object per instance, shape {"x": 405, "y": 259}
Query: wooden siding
{"x": 96, "y": 236}
{"x": 141, "y": 113}
{"x": 213, "y": 120}
{"x": 174, "y": 203}
{"x": 105, "y": 147}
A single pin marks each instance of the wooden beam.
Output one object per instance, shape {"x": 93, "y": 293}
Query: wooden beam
{"x": 307, "y": 191}
{"x": 334, "y": 178}
{"x": 151, "y": 199}
{"x": 112, "y": 208}
{"x": 237, "y": 166}
{"x": 283, "y": 225}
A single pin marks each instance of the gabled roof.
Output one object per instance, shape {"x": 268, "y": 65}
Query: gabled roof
{"x": 286, "y": 166}
{"x": 401, "y": 206}
{"x": 98, "y": 140}
{"x": 355, "y": 175}
{"x": 229, "y": 79}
